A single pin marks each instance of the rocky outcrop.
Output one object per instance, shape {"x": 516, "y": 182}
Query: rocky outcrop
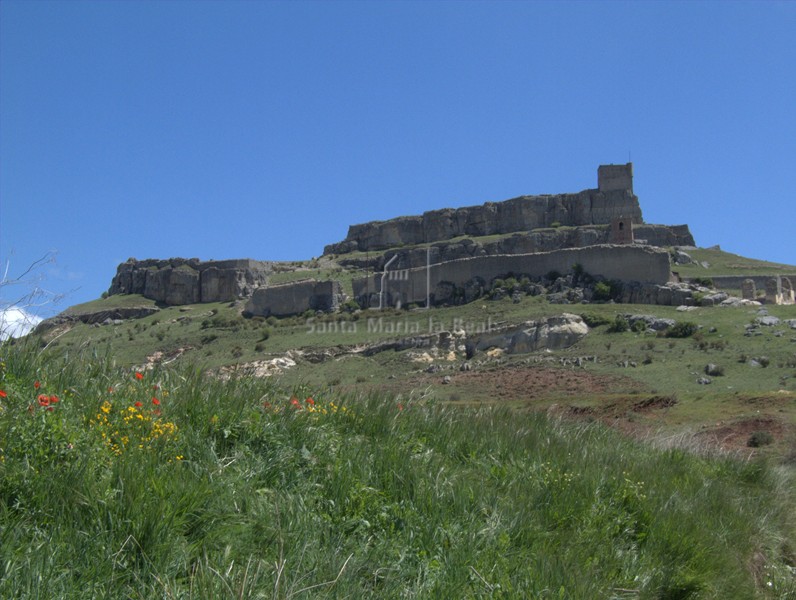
{"x": 107, "y": 315}
{"x": 525, "y": 213}
{"x": 552, "y": 333}
{"x": 295, "y": 298}
{"x": 540, "y": 240}
{"x": 612, "y": 199}
{"x": 190, "y": 281}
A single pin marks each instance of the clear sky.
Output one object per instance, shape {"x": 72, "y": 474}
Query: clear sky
{"x": 263, "y": 129}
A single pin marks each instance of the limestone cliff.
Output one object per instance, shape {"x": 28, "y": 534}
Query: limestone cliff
{"x": 190, "y": 281}
{"x": 540, "y": 240}
{"x": 612, "y": 199}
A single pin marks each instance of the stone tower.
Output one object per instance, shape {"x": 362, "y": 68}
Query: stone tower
{"x": 622, "y": 231}
{"x": 615, "y": 177}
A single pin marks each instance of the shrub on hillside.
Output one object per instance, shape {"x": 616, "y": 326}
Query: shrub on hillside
{"x": 619, "y": 325}
{"x": 703, "y": 281}
{"x": 759, "y": 438}
{"x": 682, "y": 329}
{"x": 593, "y": 320}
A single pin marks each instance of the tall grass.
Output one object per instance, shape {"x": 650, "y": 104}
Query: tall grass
{"x": 258, "y": 492}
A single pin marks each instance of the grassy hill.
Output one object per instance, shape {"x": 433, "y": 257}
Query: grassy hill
{"x": 193, "y": 452}
{"x": 170, "y": 483}
{"x": 756, "y": 391}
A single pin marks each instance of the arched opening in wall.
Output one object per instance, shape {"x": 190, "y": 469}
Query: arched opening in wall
{"x": 621, "y": 226}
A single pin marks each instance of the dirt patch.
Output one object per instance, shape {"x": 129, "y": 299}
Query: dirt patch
{"x": 654, "y": 403}
{"x": 736, "y": 434}
{"x": 531, "y": 383}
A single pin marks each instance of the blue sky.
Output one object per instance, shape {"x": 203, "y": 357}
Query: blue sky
{"x": 263, "y": 129}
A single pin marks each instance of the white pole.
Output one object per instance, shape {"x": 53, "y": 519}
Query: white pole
{"x": 383, "y": 275}
{"x": 428, "y": 277}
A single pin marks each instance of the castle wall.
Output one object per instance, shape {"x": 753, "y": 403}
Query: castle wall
{"x": 625, "y": 263}
{"x": 295, "y": 298}
{"x": 540, "y": 240}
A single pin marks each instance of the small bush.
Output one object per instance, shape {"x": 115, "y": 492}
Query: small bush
{"x": 682, "y": 329}
{"x": 593, "y": 320}
{"x": 350, "y": 306}
{"x": 259, "y": 347}
{"x": 639, "y": 326}
{"x": 759, "y": 438}
{"x": 619, "y": 325}
{"x": 552, "y": 275}
{"x": 602, "y": 291}
{"x": 703, "y": 281}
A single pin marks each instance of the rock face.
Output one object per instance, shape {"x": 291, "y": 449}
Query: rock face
{"x": 295, "y": 298}
{"x": 553, "y": 333}
{"x": 612, "y": 199}
{"x": 189, "y": 281}
{"x": 541, "y": 240}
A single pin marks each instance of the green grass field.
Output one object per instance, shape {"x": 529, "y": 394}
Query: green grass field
{"x": 168, "y": 483}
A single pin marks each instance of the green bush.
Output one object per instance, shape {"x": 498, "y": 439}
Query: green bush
{"x": 703, "y": 281}
{"x": 350, "y": 306}
{"x": 619, "y": 325}
{"x": 552, "y": 275}
{"x": 639, "y": 326}
{"x": 602, "y": 291}
{"x": 593, "y": 320}
{"x": 682, "y": 329}
{"x": 759, "y": 438}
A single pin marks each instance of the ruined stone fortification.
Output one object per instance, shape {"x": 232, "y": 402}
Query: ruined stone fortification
{"x": 541, "y": 240}
{"x": 190, "y": 281}
{"x": 295, "y": 298}
{"x": 472, "y": 276}
{"x": 540, "y": 234}
{"x": 613, "y": 198}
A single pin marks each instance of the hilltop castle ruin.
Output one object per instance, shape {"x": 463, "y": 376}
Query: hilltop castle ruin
{"x": 444, "y": 256}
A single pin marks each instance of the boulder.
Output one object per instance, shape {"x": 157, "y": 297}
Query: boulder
{"x": 552, "y": 333}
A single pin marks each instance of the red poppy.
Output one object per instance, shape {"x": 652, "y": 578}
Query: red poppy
{"x": 51, "y": 408}
{"x": 36, "y": 385}
{"x": 310, "y": 401}
{"x": 110, "y": 390}
{"x": 43, "y": 400}
{"x": 139, "y": 376}
{"x": 266, "y": 405}
{"x": 3, "y": 394}
{"x": 400, "y": 406}
{"x": 154, "y": 387}
{"x": 54, "y": 399}
{"x": 295, "y": 402}
{"x": 155, "y": 401}
{"x": 139, "y": 404}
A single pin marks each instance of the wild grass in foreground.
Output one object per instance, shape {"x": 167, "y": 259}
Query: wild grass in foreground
{"x": 171, "y": 484}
